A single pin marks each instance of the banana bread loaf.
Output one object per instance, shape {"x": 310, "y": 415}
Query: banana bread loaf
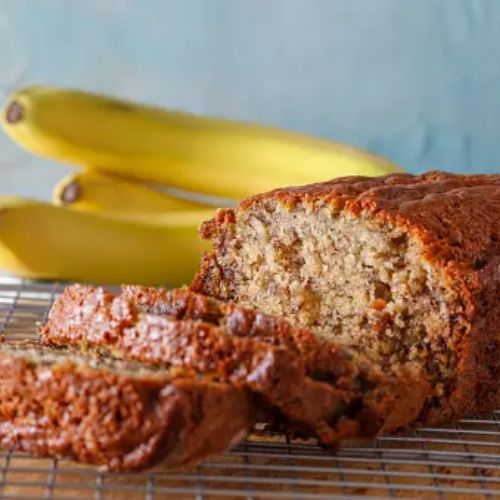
{"x": 402, "y": 269}
{"x": 119, "y": 415}
{"x": 317, "y": 386}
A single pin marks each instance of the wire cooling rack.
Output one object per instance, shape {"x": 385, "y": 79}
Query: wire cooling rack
{"x": 458, "y": 461}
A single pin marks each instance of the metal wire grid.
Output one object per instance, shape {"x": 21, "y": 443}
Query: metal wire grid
{"x": 459, "y": 461}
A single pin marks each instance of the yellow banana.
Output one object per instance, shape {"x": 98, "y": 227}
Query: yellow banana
{"x": 196, "y": 153}
{"x": 42, "y": 241}
{"x": 96, "y": 192}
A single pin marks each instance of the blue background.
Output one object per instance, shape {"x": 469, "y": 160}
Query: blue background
{"x": 417, "y": 81}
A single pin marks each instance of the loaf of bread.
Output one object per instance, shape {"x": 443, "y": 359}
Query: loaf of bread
{"x": 316, "y": 386}
{"x": 118, "y": 415}
{"x": 349, "y": 308}
{"x": 402, "y": 269}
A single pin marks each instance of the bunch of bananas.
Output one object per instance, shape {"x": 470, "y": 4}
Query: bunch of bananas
{"x": 112, "y": 221}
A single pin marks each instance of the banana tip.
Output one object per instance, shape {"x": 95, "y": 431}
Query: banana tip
{"x": 70, "y": 193}
{"x": 14, "y": 112}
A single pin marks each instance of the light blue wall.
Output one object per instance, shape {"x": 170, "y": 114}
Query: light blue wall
{"x": 418, "y": 81}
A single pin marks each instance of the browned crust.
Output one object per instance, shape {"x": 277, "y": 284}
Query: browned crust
{"x": 60, "y": 405}
{"x": 347, "y": 400}
{"x": 456, "y": 219}
{"x": 91, "y": 318}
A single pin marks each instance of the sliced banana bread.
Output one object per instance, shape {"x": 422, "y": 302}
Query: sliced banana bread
{"x": 316, "y": 385}
{"x": 402, "y": 269}
{"x": 119, "y": 415}
{"x": 387, "y": 401}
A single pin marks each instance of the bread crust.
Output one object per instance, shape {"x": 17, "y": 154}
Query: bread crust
{"x": 315, "y": 384}
{"x": 455, "y": 218}
{"x": 59, "y": 404}
{"x": 274, "y": 372}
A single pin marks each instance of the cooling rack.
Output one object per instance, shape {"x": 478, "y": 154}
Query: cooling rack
{"x": 458, "y": 461}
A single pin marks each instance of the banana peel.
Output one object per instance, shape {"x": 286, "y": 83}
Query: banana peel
{"x": 196, "y": 153}
{"x": 42, "y": 241}
{"x": 92, "y": 191}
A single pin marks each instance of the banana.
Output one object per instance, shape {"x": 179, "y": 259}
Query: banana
{"x": 196, "y": 153}
{"x": 96, "y": 192}
{"x": 42, "y": 241}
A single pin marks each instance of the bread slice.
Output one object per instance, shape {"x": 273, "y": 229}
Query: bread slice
{"x": 316, "y": 385}
{"x": 122, "y": 416}
{"x": 402, "y": 269}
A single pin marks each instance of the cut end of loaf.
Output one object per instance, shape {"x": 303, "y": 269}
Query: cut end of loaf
{"x": 346, "y": 277}
{"x": 402, "y": 269}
